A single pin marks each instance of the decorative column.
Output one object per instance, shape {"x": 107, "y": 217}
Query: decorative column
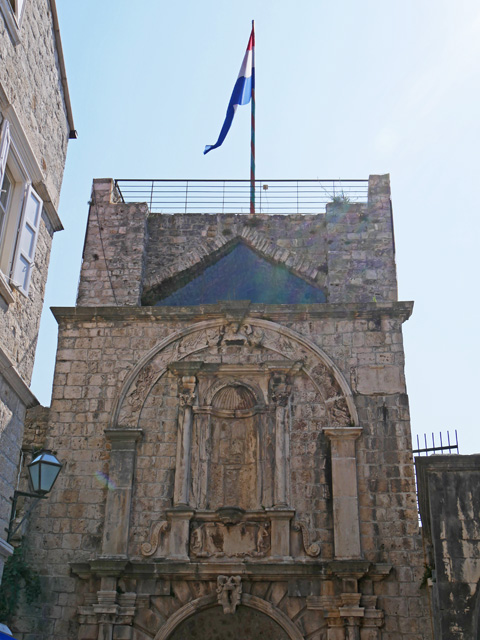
{"x": 181, "y": 514}
{"x": 184, "y": 441}
{"x": 281, "y": 515}
{"x": 119, "y": 495}
{"x": 345, "y": 492}
{"x": 281, "y": 390}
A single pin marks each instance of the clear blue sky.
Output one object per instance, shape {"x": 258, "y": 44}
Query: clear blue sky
{"x": 344, "y": 89}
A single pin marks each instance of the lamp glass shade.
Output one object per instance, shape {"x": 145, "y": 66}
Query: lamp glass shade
{"x": 43, "y": 471}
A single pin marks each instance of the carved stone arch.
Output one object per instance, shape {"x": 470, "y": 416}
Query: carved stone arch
{"x": 261, "y": 334}
{"x": 207, "y": 602}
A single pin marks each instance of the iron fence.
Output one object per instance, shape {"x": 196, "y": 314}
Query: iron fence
{"x": 445, "y": 446}
{"x": 233, "y": 196}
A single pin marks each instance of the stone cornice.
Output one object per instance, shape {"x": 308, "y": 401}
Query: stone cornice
{"x": 171, "y": 570}
{"x": 275, "y": 312}
{"x": 63, "y": 73}
{"x": 343, "y": 433}
{"x": 14, "y": 379}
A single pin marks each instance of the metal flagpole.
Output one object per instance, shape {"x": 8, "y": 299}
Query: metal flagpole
{"x": 252, "y": 143}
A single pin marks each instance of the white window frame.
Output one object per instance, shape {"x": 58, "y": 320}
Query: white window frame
{"x": 20, "y": 234}
{"x": 13, "y": 17}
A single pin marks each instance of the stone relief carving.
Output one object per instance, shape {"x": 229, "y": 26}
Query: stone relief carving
{"x": 138, "y": 393}
{"x": 229, "y": 592}
{"x": 216, "y": 540}
{"x": 326, "y": 381}
{"x": 233, "y": 334}
{"x": 312, "y": 549}
{"x": 248, "y": 334}
{"x": 340, "y": 413}
{"x": 281, "y": 389}
{"x": 255, "y": 335}
{"x": 158, "y": 530}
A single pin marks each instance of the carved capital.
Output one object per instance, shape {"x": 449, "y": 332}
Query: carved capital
{"x": 186, "y": 392}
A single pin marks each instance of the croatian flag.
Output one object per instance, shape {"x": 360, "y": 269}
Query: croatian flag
{"x": 242, "y": 91}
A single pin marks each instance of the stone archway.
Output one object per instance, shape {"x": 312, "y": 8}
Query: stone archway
{"x": 213, "y": 624}
{"x": 254, "y": 332}
{"x": 204, "y": 619}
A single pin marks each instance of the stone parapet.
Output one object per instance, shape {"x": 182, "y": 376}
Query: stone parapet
{"x": 347, "y": 253}
{"x": 114, "y": 251}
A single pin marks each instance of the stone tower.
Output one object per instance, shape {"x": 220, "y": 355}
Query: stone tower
{"x": 230, "y": 403}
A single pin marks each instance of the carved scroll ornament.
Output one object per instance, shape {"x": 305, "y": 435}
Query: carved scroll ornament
{"x": 157, "y": 532}
{"x": 312, "y": 549}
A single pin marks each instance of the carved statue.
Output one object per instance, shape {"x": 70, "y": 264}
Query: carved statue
{"x": 263, "y": 539}
{"x": 229, "y": 592}
{"x": 280, "y": 388}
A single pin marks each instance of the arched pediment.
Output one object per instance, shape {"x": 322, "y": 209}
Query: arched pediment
{"x": 253, "y": 333}
{"x": 267, "y": 274}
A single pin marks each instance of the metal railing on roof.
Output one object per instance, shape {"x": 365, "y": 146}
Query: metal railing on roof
{"x": 233, "y": 196}
{"x": 435, "y": 448}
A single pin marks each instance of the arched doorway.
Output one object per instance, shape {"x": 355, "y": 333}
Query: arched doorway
{"x": 254, "y": 619}
{"x": 244, "y": 624}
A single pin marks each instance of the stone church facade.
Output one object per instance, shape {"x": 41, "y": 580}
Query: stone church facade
{"x": 233, "y": 469}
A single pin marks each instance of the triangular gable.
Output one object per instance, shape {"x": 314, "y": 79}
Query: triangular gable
{"x": 244, "y": 275}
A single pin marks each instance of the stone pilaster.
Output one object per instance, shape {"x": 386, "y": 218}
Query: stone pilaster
{"x": 345, "y": 491}
{"x": 119, "y": 496}
{"x": 184, "y": 441}
{"x": 281, "y": 390}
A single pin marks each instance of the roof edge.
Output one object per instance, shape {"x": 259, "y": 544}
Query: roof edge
{"x": 63, "y": 73}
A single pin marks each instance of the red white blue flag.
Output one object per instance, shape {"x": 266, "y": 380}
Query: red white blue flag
{"x": 242, "y": 91}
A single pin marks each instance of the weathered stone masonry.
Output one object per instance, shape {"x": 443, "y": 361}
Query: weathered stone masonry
{"x": 34, "y": 103}
{"x": 232, "y": 464}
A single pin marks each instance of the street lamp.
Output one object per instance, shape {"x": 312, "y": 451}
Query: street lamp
{"x": 42, "y": 472}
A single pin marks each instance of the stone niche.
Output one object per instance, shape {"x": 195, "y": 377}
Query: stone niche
{"x": 231, "y": 495}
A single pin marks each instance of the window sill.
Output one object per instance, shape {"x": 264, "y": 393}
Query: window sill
{"x": 5, "y": 290}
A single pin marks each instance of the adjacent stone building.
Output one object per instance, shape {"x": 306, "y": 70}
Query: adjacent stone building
{"x": 230, "y": 404}
{"x": 35, "y": 125}
{"x": 449, "y": 501}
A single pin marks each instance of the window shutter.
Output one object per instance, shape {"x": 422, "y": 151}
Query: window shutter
{"x": 27, "y": 240}
{"x": 4, "y": 147}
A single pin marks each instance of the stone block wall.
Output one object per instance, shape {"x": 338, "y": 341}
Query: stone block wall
{"x": 97, "y": 352}
{"x": 450, "y": 506}
{"x": 30, "y": 78}
{"x": 19, "y": 326}
{"x": 20, "y": 320}
{"x": 114, "y": 252}
{"x": 361, "y": 255}
{"x": 12, "y": 414}
{"x": 324, "y": 539}
{"x": 32, "y": 100}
